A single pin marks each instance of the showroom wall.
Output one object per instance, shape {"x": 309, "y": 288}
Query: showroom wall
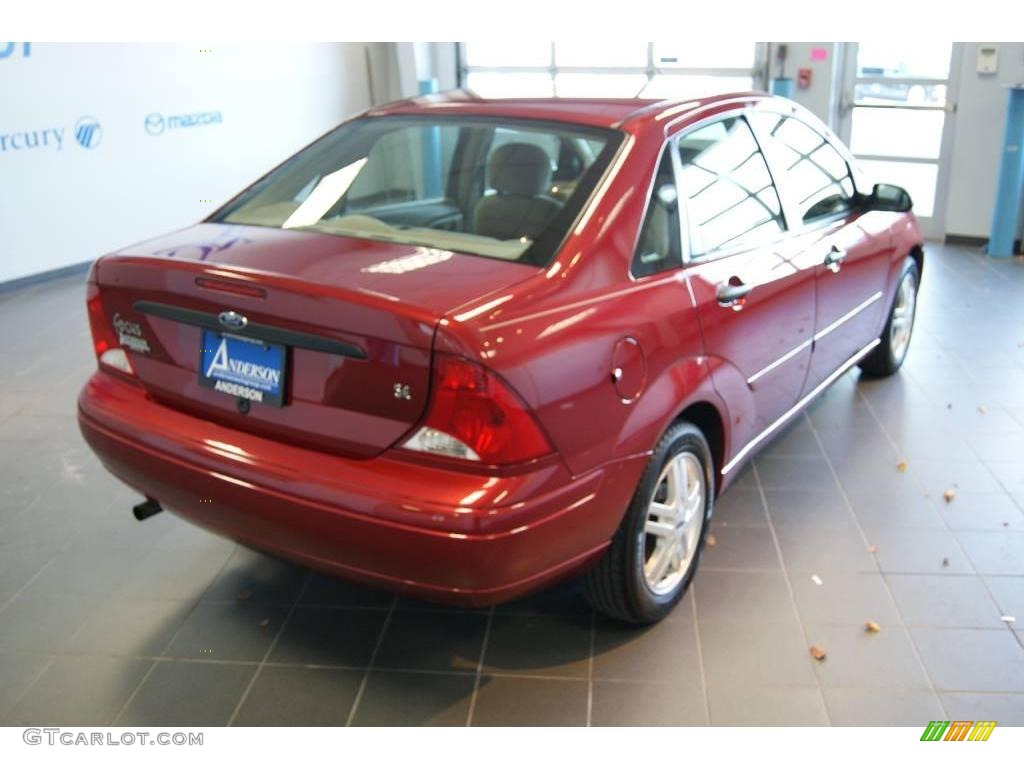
{"x": 103, "y": 145}
{"x": 978, "y": 139}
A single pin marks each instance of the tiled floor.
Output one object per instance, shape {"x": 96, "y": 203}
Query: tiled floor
{"x": 104, "y": 620}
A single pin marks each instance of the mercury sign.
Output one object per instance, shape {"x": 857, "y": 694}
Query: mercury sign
{"x": 10, "y": 49}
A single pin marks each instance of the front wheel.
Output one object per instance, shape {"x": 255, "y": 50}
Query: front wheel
{"x": 654, "y": 554}
{"x": 888, "y": 356}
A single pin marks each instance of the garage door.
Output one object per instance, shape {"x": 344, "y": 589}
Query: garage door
{"x": 647, "y": 70}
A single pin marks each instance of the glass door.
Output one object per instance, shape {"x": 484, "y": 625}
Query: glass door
{"x": 896, "y": 115}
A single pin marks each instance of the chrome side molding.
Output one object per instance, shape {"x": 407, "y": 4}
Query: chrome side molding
{"x": 746, "y": 449}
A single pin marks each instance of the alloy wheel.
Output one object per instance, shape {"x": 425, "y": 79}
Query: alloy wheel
{"x": 675, "y": 518}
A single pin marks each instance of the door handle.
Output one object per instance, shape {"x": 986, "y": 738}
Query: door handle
{"x": 733, "y": 293}
{"x": 834, "y": 259}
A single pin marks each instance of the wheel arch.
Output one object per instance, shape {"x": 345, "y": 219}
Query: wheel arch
{"x": 706, "y": 417}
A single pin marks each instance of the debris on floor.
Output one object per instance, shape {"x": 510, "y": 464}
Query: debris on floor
{"x": 945, "y": 562}
{"x": 1008, "y": 619}
{"x": 816, "y": 579}
{"x": 873, "y": 549}
{"x": 949, "y": 495}
{"x": 872, "y": 626}
{"x": 711, "y": 540}
{"x": 902, "y": 466}
{"x": 817, "y": 652}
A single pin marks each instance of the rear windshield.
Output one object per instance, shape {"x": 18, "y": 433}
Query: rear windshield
{"x": 502, "y": 189}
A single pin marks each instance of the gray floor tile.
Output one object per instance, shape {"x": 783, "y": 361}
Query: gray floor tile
{"x": 539, "y": 645}
{"x": 75, "y": 692}
{"x": 432, "y": 641}
{"x": 999, "y": 553}
{"x": 741, "y": 547}
{"x": 739, "y": 596}
{"x": 809, "y": 509}
{"x": 187, "y": 693}
{"x": 882, "y": 707}
{"x": 1006, "y": 709}
{"x": 940, "y": 475}
{"x": 979, "y": 660}
{"x": 505, "y": 701}
{"x": 802, "y": 472}
{"x": 134, "y": 627}
{"x": 1010, "y": 474}
{"x": 294, "y": 696}
{"x": 740, "y": 506}
{"x": 257, "y": 578}
{"x": 816, "y": 550}
{"x": 326, "y": 591}
{"x": 758, "y": 705}
{"x": 562, "y": 599}
{"x": 236, "y": 631}
{"x": 857, "y": 658}
{"x": 983, "y": 511}
{"x": 18, "y": 670}
{"x": 665, "y": 652}
{"x": 177, "y": 574}
{"x": 919, "y": 550}
{"x": 1008, "y": 592}
{"x": 738, "y": 654}
{"x": 907, "y": 508}
{"x": 329, "y": 636}
{"x": 844, "y": 597}
{"x": 648, "y": 704}
{"x": 42, "y": 624}
{"x": 944, "y": 601}
{"x": 412, "y": 698}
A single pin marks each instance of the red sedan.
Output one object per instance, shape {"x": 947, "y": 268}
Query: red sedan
{"x": 466, "y": 348}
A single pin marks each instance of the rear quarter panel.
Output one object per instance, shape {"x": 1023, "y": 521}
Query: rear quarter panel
{"x": 554, "y": 337}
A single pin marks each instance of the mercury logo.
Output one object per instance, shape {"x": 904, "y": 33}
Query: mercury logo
{"x": 88, "y": 132}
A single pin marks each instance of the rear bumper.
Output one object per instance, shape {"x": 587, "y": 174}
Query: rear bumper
{"x": 439, "y": 534}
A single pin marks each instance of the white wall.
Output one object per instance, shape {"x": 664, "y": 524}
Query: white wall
{"x": 63, "y": 204}
{"x": 978, "y": 140}
{"x": 820, "y": 97}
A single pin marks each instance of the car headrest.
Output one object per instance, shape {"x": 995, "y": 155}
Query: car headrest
{"x": 520, "y": 169}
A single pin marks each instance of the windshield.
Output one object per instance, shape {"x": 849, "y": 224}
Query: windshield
{"x": 505, "y": 189}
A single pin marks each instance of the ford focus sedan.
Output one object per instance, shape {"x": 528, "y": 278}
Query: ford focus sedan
{"x": 464, "y": 349}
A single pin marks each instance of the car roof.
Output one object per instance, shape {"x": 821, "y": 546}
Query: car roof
{"x": 597, "y": 112}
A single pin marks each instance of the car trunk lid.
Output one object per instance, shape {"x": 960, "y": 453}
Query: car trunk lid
{"x": 356, "y": 319}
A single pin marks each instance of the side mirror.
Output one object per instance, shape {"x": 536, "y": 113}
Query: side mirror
{"x": 889, "y": 197}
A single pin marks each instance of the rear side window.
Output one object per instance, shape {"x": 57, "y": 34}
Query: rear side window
{"x": 658, "y": 248}
{"x": 731, "y": 201}
{"x": 812, "y": 173}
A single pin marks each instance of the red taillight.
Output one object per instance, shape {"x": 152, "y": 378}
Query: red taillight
{"x": 474, "y": 415}
{"x": 104, "y": 340}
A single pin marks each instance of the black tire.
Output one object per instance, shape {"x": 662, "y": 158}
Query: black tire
{"x": 616, "y": 585}
{"x": 882, "y": 361}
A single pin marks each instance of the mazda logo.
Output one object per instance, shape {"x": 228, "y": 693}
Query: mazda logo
{"x": 233, "y": 320}
{"x": 154, "y": 124}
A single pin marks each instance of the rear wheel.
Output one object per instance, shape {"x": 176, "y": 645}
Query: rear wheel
{"x": 888, "y": 356}
{"x": 654, "y": 554}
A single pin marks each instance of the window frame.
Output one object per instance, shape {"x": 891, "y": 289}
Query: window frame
{"x": 726, "y": 251}
{"x": 684, "y": 244}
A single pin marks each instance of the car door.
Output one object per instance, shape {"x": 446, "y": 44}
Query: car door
{"x": 753, "y": 290}
{"x": 850, "y": 248}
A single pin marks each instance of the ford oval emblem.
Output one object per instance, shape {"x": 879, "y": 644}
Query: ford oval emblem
{"x": 233, "y": 320}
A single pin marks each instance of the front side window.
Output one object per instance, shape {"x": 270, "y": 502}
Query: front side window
{"x": 812, "y": 173}
{"x": 731, "y": 201}
{"x": 502, "y": 189}
{"x": 658, "y": 247}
